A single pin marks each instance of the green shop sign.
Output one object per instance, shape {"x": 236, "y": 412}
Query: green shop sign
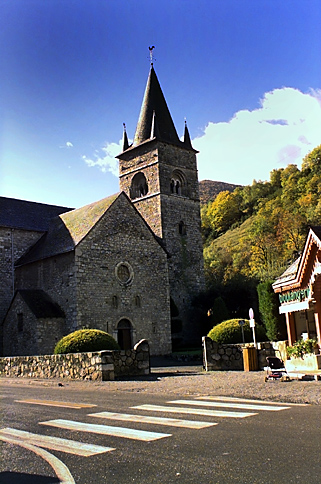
{"x": 299, "y": 295}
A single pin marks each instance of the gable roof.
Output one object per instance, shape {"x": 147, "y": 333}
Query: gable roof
{"x": 21, "y": 214}
{"x": 299, "y": 273}
{"x": 67, "y": 230}
{"x": 41, "y": 304}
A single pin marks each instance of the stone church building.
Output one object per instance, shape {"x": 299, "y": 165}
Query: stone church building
{"x": 129, "y": 264}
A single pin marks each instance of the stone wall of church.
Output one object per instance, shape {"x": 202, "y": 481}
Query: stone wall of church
{"x": 56, "y": 276}
{"x": 144, "y": 159}
{"x": 13, "y": 244}
{"x": 173, "y": 213}
{"x": 24, "y": 334}
{"x": 122, "y": 274}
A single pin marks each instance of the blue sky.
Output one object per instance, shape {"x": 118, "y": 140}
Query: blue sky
{"x": 246, "y": 74}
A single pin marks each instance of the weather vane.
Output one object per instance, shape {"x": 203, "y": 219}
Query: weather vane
{"x": 151, "y": 57}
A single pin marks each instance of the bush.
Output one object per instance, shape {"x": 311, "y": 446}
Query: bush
{"x": 230, "y": 332}
{"x": 84, "y": 341}
{"x": 301, "y": 348}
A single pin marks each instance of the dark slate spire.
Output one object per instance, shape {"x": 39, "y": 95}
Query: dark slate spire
{"x": 125, "y": 139}
{"x": 187, "y": 138}
{"x": 154, "y": 101}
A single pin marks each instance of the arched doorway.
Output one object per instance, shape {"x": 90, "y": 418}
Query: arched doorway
{"x": 124, "y": 336}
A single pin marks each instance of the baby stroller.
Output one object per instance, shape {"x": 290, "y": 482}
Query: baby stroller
{"x": 275, "y": 369}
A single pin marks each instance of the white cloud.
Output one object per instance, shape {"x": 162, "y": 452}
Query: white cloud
{"x": 68, "y": 144}
{"x": 285, "y": 127}
{"x": 106, "y": 160}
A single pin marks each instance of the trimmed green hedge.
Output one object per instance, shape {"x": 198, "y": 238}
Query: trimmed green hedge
{"x": 230, "y": 332}
{"x": 84, "y": 341}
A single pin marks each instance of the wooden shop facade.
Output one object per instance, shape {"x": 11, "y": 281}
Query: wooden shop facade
{"x": 299, "y": 290}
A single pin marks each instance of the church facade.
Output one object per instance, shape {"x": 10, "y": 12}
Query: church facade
{"x": 129, "y": 264}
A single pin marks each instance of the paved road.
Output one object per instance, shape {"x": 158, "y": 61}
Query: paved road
{"x": 54, "y": 434}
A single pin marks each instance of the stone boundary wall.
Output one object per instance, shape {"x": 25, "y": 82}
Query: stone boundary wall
{"x": 132, "y": 362}
{"x": 230, "y": 356}
{"x": 100, "y": 365}
{"x": 221, "y": 357}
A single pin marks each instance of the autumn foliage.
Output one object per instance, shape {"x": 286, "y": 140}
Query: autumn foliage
{"x": 251, "y": 235}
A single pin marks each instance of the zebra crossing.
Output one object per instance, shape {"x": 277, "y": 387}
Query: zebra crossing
{"x": 203, "y": 406}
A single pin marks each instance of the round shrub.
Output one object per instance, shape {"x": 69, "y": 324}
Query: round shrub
{"x": 84, "y": 341}
{"x": 230, "y": 332}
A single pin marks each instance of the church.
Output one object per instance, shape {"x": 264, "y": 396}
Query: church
{"x": 130, "y": 264}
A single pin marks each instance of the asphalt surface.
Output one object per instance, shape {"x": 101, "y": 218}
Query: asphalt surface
{"x": 275, "y": 447}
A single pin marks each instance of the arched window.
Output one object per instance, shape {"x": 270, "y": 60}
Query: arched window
{"x": 139, "y": 187}
{"x": 178, "y": 183}
{"x": 182, "y": 228}
{"x": 115, "y": 302}
{"x": 137, "y": 301}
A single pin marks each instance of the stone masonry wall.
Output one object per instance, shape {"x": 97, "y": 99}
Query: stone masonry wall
{"x": 13, "y": 244}
{"x": 35, "y": 337}
{"x": 165, "y": 211}
{"x": 221, "y": 357}
{"x": 100, "y": 365}
{"x": 122, "y": 239}
{"x": 57, "y": 277}
{"x": 230, "y": 356}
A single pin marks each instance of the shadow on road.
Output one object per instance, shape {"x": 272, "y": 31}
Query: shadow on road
{"x": 22, "y": 478}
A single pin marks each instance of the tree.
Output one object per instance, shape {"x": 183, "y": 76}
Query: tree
{"x": 268, "y": 307}
{"x": 312, "y": 161}
{"x": 223, "y": 212}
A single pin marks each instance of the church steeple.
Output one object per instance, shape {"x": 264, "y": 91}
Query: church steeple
{"x": 125, "y": 139}
{"x": 187, "y": 139}
{"x": 154, "y": 105}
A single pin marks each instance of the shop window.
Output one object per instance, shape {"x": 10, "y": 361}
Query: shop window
{"x": 139, "y": 186}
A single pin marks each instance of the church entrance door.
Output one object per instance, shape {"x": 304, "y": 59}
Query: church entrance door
{"x": 124, "y": 334}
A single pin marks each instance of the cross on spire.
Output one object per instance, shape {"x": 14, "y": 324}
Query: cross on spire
{"x": 151, "y": 57}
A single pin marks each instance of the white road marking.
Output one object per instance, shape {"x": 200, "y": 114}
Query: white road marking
{"x": 55, "y": 443}
{"x": 246, "y": 400}
{"x": 61, "y": 470}
{"x": 52, "y": 403}
{"x": 198, "y": 411}
{"x": 173, "y": 422}
{"x": 106, "y": 430}
{"x": 244, "y": 406}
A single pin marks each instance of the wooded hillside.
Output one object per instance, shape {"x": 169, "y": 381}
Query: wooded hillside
{"x": 252, "y": 234}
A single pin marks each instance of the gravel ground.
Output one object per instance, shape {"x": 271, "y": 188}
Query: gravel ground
{"x": 194, "y": 381}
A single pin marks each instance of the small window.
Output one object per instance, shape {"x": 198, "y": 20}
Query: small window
{"x": 115, "y": 302}
{"x": 137, "y": 302}
{"x": 20, "y": 322}
{"x": 182, "y": 228}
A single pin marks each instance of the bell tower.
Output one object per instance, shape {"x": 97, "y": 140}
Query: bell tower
{"x": 158, "y": 172}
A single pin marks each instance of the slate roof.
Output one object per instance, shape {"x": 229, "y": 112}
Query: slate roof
{"x": 155, "y": 121}
{"x": 41, "y": 304}
{"x": 291, "y": 273}
{"x": 21, "y": 214}
{"x": 67, "y": 230}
